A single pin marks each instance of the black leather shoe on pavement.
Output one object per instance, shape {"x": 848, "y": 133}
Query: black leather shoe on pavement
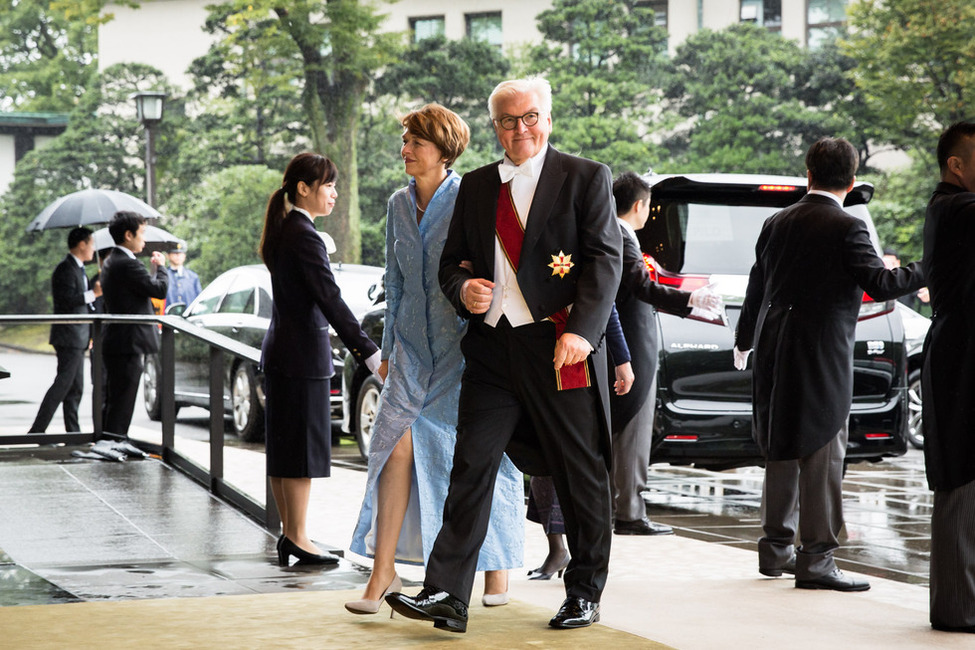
{"x": 641, "y": 527}
{"x": 834, "y": 580}
{"x": 446, "y": 612}
{"x": 789, "y": 567}
{"x": 575, "y": 612}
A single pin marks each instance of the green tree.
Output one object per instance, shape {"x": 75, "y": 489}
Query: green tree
{"x": 332, "y": 49}
{"x": 225, "y": 217}
{"x": 47, "y": 52}
{"x": 914, "y": 64}
{"x": 900, "y": 201}
{"x": 752, "y": 101}
{"x": 603, "y": 59}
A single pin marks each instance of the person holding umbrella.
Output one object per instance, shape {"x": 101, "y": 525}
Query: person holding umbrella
{"x": 128, "y": 289}
{"x": 73, "y": 294}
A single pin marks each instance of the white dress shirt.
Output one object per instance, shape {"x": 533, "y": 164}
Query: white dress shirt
{"x": 838, "y": 200}
{"x": 507, "y": 298}
{"x": 90, "y": 293}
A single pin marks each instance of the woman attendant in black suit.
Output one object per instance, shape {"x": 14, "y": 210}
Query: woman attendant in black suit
{"x": 296, "y": 355}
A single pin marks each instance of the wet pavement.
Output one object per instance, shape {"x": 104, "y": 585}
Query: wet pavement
{"x": 82, "y": 530}
{"x": 887, "y": 508}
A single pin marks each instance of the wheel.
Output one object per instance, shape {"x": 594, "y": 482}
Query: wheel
{"x": 248, "y": 417}
{"x": 150, "y": 387}
{"x": 367, "y": 406}
{"x": 915, "y": 427}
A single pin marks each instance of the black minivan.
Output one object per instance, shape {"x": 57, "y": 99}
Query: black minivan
{"x": 702, "y": 229}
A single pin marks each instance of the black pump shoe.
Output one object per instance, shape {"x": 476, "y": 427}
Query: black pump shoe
{"x": 287, "y": 548}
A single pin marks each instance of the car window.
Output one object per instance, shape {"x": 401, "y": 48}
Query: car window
{"x": 702, "y": 238}
{"x": 209, "y": 299}
{"x": 264, "y": 303}
{"x": 240, "y": 300}
{"x": 355, "y": 287}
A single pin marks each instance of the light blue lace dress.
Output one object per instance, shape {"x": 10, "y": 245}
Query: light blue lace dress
{"x": 422, "y": 342}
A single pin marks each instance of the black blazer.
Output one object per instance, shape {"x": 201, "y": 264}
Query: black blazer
{"x": 68, "y": 286}
{"x": 127, "y": 288}
{"x": 636, "y": 298}
{"x": 306, "y": 301}
{"x": 948, "y": 376}
{"x": 813, "y": 261}
{"x": 572, "y": 212}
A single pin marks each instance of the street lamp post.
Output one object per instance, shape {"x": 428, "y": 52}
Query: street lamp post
{"x": 149, "y": 107}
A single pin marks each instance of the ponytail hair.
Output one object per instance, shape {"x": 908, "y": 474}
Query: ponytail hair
{"x": 310, "y": 168}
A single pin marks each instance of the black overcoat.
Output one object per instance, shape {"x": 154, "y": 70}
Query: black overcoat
{"x": 813, "y": 261}
{"x": 948, "y": 375}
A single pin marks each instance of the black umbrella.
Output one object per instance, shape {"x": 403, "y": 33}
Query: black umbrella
{"x": 88, "y": 207}
{"x": 156, "y": 239}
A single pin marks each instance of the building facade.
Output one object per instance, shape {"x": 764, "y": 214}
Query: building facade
{"x": 21, "y": 132}
{"x": 168, "y": 35}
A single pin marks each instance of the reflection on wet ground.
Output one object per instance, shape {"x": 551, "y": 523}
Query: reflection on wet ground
{"x": 74, "y": 530}
{"x": 887, "y": 508}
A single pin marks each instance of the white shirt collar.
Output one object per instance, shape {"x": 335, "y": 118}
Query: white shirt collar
{"x": 304, "y": 212}
{"x": 530, "y": 168}
{"x": 628, "y": 228}
{"x": 77, "y": 261}
{"x": 126, "y": 251}
{"x": 839, "y": 202}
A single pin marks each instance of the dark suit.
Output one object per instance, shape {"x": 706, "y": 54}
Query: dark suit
{"x": 127, "y": 288}
{"x": 947, "y": 380}
{"x": 509, "y": 372}
{"x": 296, "y": 354}
{"x": 68, "y": 286}
{"x": 813, "y": 263}
{"x": 632, "y": 413}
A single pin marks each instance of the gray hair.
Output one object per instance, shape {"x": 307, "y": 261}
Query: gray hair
{"x": 539, "y": 86}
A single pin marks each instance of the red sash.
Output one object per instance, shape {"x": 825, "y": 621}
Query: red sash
{"x": 511, "y": 234}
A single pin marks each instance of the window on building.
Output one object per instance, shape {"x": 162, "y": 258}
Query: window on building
{"x": 485, "y": 27}
{"x": 824, "y": 20}
{"x": 766, "y": 13}
{"x": 426, "y": 27}
{"x": 659, "y": 8}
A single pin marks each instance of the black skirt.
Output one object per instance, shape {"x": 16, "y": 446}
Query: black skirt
{"x": 298, "y": 427}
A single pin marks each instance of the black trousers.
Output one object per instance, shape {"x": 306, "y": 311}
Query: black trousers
{"x": 508, "y": 397}
{"x": 123, "y": 372}
{"x": 66, "y": 390}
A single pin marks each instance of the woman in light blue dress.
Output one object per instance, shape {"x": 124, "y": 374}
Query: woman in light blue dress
{"x": 411, "y": 453}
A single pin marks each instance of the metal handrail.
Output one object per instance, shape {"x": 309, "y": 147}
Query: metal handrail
{"x": 212, "y": 478}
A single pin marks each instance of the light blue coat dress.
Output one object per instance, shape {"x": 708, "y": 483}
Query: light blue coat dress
{"x": 421, "y": 339}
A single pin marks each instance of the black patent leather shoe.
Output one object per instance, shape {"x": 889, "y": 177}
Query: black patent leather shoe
{"x": 641, "y": 527}
{"x": 789, "y": 567}
{"x": 287, "y": 548}
{"x": 446, "y": 612}
{"x": 834, "y": 580}
{"x": 575, "y": 612}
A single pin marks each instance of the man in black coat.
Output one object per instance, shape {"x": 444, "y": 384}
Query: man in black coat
{"x": 948, "y": 381}
{"x": 128, "y": 288}
{"x": 633, "y": 411}
{"x": 540, "y": 233}
{"x": 72, "y": 294}
{"x": 813, "y": 263}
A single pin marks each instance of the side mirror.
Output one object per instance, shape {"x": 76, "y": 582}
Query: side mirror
{"x": 176, "y": 309}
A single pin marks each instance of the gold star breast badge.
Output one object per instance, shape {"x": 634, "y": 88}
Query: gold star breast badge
{"x": 561, "y": 264}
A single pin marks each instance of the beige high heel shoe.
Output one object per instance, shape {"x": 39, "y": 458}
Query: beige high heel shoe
{"x": 365, "y": 606}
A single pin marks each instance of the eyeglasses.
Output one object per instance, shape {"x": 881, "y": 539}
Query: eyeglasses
{"x": 509, "y": 122}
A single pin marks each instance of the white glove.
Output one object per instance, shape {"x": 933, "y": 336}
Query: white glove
{"x": 705, "y": 299}
{"x": 741, "y": 358}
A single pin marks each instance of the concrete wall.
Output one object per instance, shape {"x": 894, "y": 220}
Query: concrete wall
{"x": 7, "y": 161}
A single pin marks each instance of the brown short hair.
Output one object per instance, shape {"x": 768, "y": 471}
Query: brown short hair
{"x": 442, "y": 127}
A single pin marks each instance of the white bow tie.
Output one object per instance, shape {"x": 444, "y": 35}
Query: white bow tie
{"x": 508, "y": 170}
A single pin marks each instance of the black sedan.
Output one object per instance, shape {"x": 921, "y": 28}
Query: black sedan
{"x": 237, "y": 304}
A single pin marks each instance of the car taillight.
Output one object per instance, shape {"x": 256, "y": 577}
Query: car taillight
{"x": 678, "y": 281}
{"x": 675, "y": 280}
{"x": 777, "y": 188}
{"x": 870, "y": 308}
